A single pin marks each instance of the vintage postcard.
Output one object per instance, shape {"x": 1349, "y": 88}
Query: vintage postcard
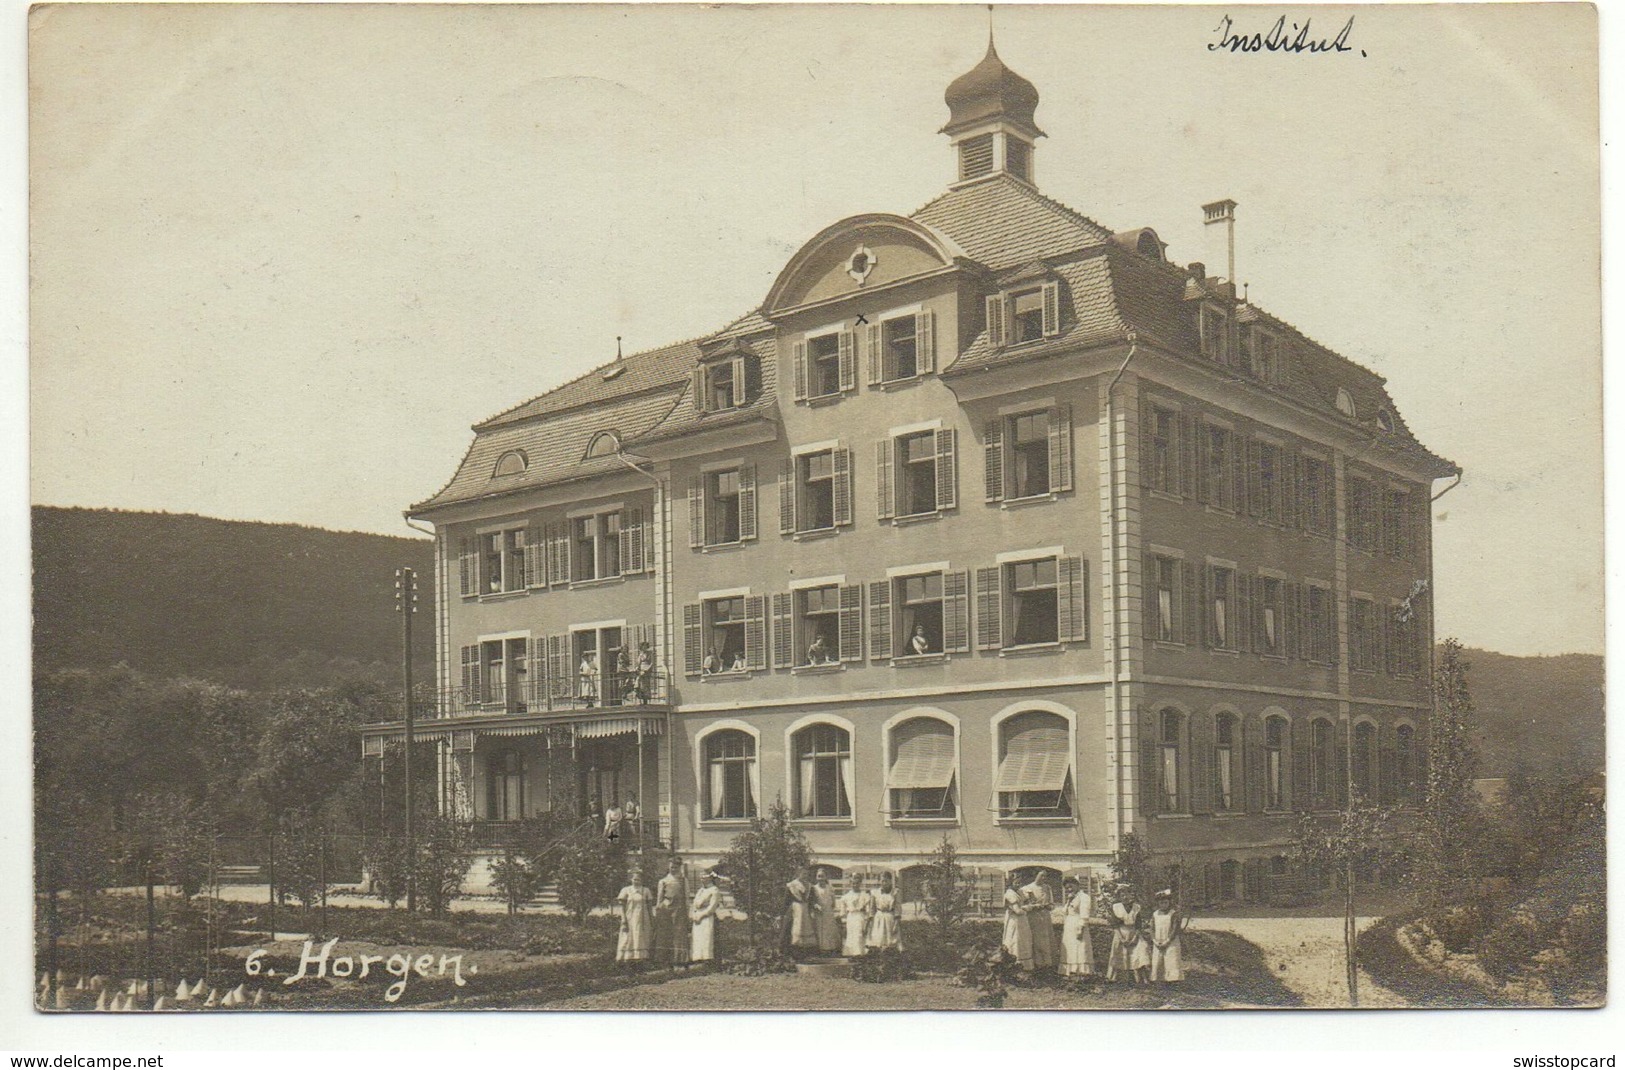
{"x": 815, "y": 508}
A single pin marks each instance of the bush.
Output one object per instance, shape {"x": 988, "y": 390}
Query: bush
{"x": 880, "y": 967}
{"x": 590, "y": 874}
{"x": 1459, "y": 928}
{"x": 760, "y": 862}
{"x": 989, "y": 969}
{"x": 753, "y": 961}
{"x": 947, "y": 896}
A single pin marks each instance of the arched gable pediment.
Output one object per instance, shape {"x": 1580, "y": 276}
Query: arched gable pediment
{"x": 860, "y": 253}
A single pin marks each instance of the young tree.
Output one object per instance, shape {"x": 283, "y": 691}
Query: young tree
{"x": 445, "y": 849}
{"x": 1450, "y": 811}
{"x": 947, "y": 896}
{"x": 591, "y": 870}
{"x": 1360, "y": 839}
{"x": 761, "y": 861}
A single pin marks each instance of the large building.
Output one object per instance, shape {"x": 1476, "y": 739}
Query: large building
{"x": 989, "y": 523}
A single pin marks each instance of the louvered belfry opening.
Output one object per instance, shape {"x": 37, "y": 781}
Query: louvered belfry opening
{"x": 976, "y": 157}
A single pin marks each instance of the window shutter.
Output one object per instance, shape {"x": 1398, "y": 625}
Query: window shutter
{"x": 1301, "y": 734}
{"x": 850, "y": 639}
{"x": 696, "y": 513}
{"x": 468, "y": 561}
{"x": 1148, "y": 443}
{"x": 1340, "y": 766}
{"x": 1239, "y": 453}
{"x": 756, "y": 631}
{"x": 747, "y": 503}
{"x": 885, "y": 467}
{"x": 1150, "y": 765}
{"x": 841, "y": 458}
{"x": 1252, "y": 765}
{"x": 536, "y": 653}
{"x": 880, "y": 641}
{"x": 1288, "y": 490}
{"x": 848, "y": 357}
{"x": 925, "y": 342}
{"x": 1205, "y": 490}
{"x": 471, "y": 674}
{"x": 1210, "y": 636}
{"x": 956, "y": 612}
{"x": 1329, "y": 630}
{"x": 693, "y": 652}
{"x": 1060, "y": 447}
{"x": 1052, "y": 309}
{"x": 1390, "y": 646}
{"x": 1241, "y": 613}
{"x": 1187, "y": 455}
{"x": 699, "y": 389}
{"x": 739, "y": 381}
{"x": 1254, "y": 493}
{"x": 784, "y": 640}
{"x": 536, "y": 555}
{"x": 993, "y": 453}
{"x": 1149, "y": 607}
{"x": 799, "y": 358}
{"x": 1072, "y": 599}
{"x": 876, "y": 355}
{"x": 631, "y": 542}
{"x": 1386, "y": 795}
{"x": 989, "y": 608}
{"x": 787, "y": 499}
{"x": 1191, "y": 606}
{"x": 995, "y": 321}
{"x": 558, "y": 554}
{"x": 559, "y": 672}
{"x": 947, "y": 469}
{"x": 1201, "y": 762}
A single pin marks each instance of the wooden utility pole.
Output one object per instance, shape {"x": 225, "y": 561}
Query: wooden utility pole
{"x": 406, "y": 599}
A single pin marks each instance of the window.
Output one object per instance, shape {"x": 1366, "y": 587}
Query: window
{"x": 502, "y": 561}
{"x": 1396, "y": 528}
{"x": 1385, "y": 421}
{"x": 1170, "y": 733}
{"x": 1404, "y": 648}
{"x": 722, "y": 508}
{"x": 595, "y": 546}
{"x": 920, "y": 780}
{"x": 1316, "y": 491}
{"x": 820, "y": 612}
{"x": 823, "y": 771}
{"x": 1322, "y": 765}
{"x": 731, "y": 783}
{"x": 1345, "y": 403}
{"x": 976, "y": 157}
{"x": 1026, "y": 316}
{"x": 1217, "y": 473}
{"x": 505, "y": 786}
{"x": 817, "y": 491}
{"x": 1164, "y": 474}
{"x": 1322, "y": 626}
{"x": 1363, "y": 762}
{"x": 1221, "y": 594}
{"x": 1405, "y": 764}
{"x": 1262, "y": 354}
{"x": 1274, "y": 758}
{"x": 511, "y": 463}
{"x": 824, "y": 365}
{"x": 1033, "y": 602}
{"x": 917, "y": 459}
{"x": 1224, "y": 749}
{"x": 919, "y": 599}
{"x": 1267, "y": 476}
{"x": 902, "y": 353}
{"x": 596, "y": 654}
{"x": 1362, "y": 515}
{"x": 1214, "y": 330}
{"x": 1035, "y": 766}
{"x": 1029, "y": 455}
{"x": 1363, "y": 651}
{"x": 721, "y": 388}
{"x": 503, "y": 673}
{"x": 1165, "y": 579}
{"x": 725, "y": 635}
{"x": 1271, "y": 615}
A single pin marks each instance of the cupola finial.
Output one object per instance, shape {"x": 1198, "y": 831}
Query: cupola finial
{"x": 990, "y": 118}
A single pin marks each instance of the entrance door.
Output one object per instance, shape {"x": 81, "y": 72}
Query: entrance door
{"x": 505, "y": 777}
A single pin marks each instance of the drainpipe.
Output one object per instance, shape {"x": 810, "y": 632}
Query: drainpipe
{"x": 1114, "y": 670}
{"x": 663, "y": 608}
{"x": 1433, "y": 639}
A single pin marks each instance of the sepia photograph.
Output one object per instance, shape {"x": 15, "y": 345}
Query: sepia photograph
{"x": 815, "y": 508}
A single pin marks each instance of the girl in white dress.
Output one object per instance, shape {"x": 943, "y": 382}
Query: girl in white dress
{"x": 703, "y": 914}
{"x": 637, "y": 921}
{"x": 1167, "y": 923}
{"x": 1040, "y": 922}
{"x": 1077, "y": 947}
{"x": 853, "y": 909}
{"x": 1018, "y": 936}
{"x": 1131, "y": 952}
{"x": 825, "y": 922}
{"x": 885, "y": 922}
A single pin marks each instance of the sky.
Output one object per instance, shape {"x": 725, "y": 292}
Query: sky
{"x": 283, "y": 257}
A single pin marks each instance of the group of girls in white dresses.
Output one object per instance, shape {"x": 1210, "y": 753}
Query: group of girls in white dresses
{"x": 1145, "y": 948}
{"x": 853, "y": 924}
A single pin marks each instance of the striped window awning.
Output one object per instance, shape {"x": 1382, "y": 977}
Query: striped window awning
{"x": 922, "y": 754}
{"x": 1037, "y": 755}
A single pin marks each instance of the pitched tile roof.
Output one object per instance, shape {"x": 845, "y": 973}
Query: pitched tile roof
{"x": 683, "y": 417}
{"x": 1002, "y": 222}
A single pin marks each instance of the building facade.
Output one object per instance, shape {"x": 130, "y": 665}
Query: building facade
{"x": 989, "y": 523}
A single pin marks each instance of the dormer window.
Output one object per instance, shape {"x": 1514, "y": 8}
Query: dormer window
{"x": 1215, "y": 335}
{"x": 1261, "y": 354}
{"x": 512, "y": 463}
{"x": 1385, "y": 421}
{"x": 1024, "y": 314}
{"x": 1345, "y": 403}
{"x": 720, "y": 384}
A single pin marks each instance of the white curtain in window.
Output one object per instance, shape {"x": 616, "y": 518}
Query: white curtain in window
{"x": 809, "y": 779}
{"x": 718, "y": 787}
{"x": 1165, "y": 610}
{"x": 753, "y": 784}
{"x": 1222, "y": 766}
{"x": 1218, "y": 621}
{"x": 846, "y": 780}
{"x": 1269, "y": 626}
{"x": 1170, "y": 775}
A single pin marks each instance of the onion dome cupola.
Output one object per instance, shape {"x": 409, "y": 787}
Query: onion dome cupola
{"x": 990, "y": 120}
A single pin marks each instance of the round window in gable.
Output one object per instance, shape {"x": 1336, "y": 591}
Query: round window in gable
{"x": 1385, "y": 421}
{"x": 860, "y": 263}
{"x": 1345, "y": 403}
{"x": 604, "y": 444}
{"x": 511, "y": 463}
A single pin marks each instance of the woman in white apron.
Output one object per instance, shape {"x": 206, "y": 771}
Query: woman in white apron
{"x": 1018, "y": 935}
{"x": 825, "y": 922}
{"x": 853, "y": 908}
{"x": 1131, "y": 952}
{"x": 1167, "y": 923}
{"x": 886, "y": 918}
{"x": 1077, "y": 947}
{"x": 703, "y": 914}
{"x": 637, "y": 921}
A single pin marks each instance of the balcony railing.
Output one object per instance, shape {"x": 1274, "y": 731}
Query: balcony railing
{"x": 576, "y": 694}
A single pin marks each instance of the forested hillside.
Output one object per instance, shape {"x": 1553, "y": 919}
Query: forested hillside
{"x": 1546, "y": 712}
{"x": 249, "y": 604}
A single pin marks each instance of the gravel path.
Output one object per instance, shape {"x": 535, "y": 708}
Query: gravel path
{"x": 1306, "y": 955}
